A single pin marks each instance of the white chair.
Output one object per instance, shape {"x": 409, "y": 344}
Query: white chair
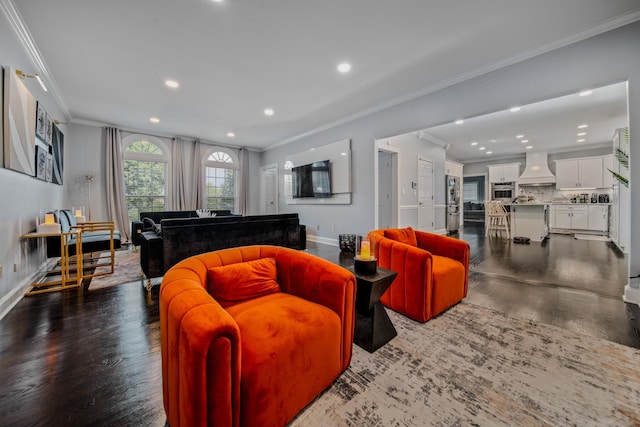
{"x": 497, "y": 219}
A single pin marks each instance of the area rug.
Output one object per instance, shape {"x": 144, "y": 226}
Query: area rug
{"x": 473, "y": 366}
{"x": 127, "y": 269}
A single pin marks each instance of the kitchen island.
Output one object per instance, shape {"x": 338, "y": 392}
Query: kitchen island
{"x": 530, "y": 220}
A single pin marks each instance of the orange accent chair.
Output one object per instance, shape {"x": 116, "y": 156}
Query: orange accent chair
{"x": 433, "y": 270}
{"x": 251, "y": 335}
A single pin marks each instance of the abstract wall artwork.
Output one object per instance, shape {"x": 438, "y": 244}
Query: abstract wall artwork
{"x": 19, "y": 125}
{"x": 57, "y": 142}
{"x": 41, "y": 122}
{"x": 41, "y": 162}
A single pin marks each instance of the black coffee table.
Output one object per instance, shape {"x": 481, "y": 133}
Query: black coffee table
{"x": 373, "y": 327}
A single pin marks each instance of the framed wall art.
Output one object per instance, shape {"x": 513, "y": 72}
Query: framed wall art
{"x": 41, "y": 163}
{"x": 41, "y": 122}
{"x": 49, "y": 130}
{"x": 49, "y": 170}
{"x": 19, "y": 125}
{"x": 57, "y": 146}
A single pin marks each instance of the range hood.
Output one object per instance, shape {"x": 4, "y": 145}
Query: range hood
{"x": 536, "y": 170}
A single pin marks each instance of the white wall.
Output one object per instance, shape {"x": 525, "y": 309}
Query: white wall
{"x": 22, "y": 197}
{"x": 604, "y": 59}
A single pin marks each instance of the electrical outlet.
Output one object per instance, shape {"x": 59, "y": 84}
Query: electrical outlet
{"x": 15, "y": 267}
{"x": 318, "y": 227}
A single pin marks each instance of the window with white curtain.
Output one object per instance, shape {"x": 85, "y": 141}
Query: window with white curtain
{"x": 221, "y": 167}
{"x": 470, "y": 191}
{"x": 146, "y": 166}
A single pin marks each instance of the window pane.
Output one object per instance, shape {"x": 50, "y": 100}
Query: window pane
{"x": 144, "y": 147}
{"x": 144, "y": 186}
{"x": 220, "y": 188}
{"x": 470, "y": 191}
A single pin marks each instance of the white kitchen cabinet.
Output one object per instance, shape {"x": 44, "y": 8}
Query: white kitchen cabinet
{"x": 453, "y": 168}
{"x": 572, "y": 217}
{"x": 598, "y": 218}
{"x": 504, "y": 173}
{"x": 580, "y": 173}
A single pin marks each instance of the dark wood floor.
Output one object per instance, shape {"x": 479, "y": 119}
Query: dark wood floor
{"x": 92, "y": 358}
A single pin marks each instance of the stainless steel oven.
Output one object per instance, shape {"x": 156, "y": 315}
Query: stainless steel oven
{"x": 504, "y": 192}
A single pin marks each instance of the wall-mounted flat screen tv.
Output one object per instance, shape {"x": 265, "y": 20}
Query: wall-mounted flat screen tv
{"x": 312, "y": 180}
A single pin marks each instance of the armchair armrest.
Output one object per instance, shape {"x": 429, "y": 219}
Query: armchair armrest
{"x": 136, "y": 230}
{"x": 197, "y": 332}
{"x": 444, "y": 246}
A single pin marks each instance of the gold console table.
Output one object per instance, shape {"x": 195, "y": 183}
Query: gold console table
{"x": 66, "y": 281}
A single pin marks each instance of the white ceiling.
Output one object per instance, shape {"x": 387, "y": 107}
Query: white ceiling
{"x": 550, "y": 125}
{"x": 107, "y": 61}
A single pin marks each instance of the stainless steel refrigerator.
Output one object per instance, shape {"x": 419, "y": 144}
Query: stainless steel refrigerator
{"x": 453, "y": 203}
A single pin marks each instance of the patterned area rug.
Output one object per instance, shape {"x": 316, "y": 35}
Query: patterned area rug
{"x": 127, "y": 269}
{"x": 475, "y": 366}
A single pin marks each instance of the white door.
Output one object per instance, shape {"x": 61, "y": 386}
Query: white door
{"x": 269, "y": 189}
{"x": 385, "y": 190}
{"x": 425, "y": 195}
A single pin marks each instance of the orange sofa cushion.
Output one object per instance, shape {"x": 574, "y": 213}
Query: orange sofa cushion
{"x": 448, "y": 274}
{"x": 403, "y": 235}
{"x": 232, "y": 283}
{"x": 290, "y": 349}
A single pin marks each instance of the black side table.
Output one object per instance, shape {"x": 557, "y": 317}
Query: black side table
{"x": 373, "y": 327}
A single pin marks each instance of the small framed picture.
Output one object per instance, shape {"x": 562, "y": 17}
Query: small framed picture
{"x": 41, "y": 162}
{"x": 49, "y": 167}
{"x": 49, "y": 130}
{"x": 41, "y": 122}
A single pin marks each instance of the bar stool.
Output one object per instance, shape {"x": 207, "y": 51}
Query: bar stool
{"x": 497, "y": 220}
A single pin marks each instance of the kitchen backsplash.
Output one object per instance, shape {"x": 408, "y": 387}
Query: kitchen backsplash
{"x": 550, "y": 194}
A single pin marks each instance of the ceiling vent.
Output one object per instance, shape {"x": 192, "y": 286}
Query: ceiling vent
{"x": 536, "y": 170}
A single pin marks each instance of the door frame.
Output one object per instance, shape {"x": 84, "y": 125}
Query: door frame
{"x": 276, "y": 188}
{"x": 384, "y": 145}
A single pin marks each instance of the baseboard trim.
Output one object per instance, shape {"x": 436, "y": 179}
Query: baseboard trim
{"x": 324, "y": 240}
{"x": 631, "y": 295}
{"x": 16, "y": 294}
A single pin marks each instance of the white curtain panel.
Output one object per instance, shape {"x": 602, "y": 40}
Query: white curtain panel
{"x": 243, "y": 191}
{"x": 116, "y": 201}
{"x": 196, "y": 198}
{"x": 178, "y": 193}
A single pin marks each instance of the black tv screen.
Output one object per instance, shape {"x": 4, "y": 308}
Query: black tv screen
{"x": 312, "y": 180}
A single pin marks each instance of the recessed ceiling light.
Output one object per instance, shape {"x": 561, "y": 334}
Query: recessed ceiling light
{"x": 481, "y": 148}
{"x": 474, "y": 143}
{"x": 583, "y": 126}
{"x": 268, "y": 112}
{"x": 154, "y": 120}
{"x": 172, "y": 84}
{"x": 459, "y": 121}
{"x": 581, "y": 134}
{"x": 515, "y": 109}
{"x": 585, "y": 93}
{"x": 519, "y": 136}
{"x": 231, "y": 134}
{"x": 345, "y": 67}
{"x": 581, "y": 140}
{"x": 489, "y": 152}
{"x": 218, "y": 1}
{"x": 529, "y": 147}
{"x": 524, "y": 141}
{"x": 493, "y": 140}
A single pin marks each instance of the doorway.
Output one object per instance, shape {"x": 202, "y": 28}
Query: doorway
{"x": 387, "y": 189}
{"x": 269, "y": 189}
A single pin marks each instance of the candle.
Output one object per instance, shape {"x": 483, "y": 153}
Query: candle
{"x": 78, "y": 212}
{"x": 365, "y": 250}
{"x": 48, "y": 218}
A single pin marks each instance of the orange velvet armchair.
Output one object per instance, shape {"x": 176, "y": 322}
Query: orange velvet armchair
{"x": 433, "y": 270}
{"x": 233, "y": 355}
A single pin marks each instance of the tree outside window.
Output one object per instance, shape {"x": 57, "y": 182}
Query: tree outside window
{"x": 220, "y": 180}
{"x": 145, "y": 176}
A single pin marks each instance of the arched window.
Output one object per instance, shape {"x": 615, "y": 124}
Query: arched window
{"x": 146, "y": 166}
{"x": 220, "y": 181}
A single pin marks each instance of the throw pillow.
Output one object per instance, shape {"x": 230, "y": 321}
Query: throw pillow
{"x": 232, "y": 283}
{"x": 147, "y": 223}
{"x": 403, "y": 235}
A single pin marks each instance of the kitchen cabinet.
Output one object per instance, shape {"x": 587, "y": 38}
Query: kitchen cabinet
{"x": 579, "y": 173}
{"x": 504, "y": 173}
{"x": 598, "y": 218}
{"x": 571, "y": 217}
{"x": 453, "y": 168}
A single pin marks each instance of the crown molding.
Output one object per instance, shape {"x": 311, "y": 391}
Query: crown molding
{"x": 33, "y": 53}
